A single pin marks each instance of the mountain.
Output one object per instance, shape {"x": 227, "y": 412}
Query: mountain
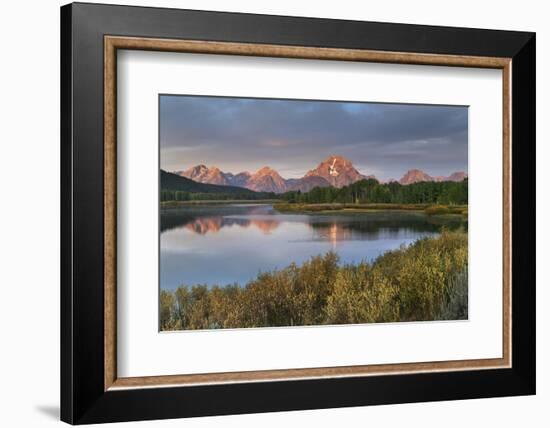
{"x": 457, "y": 176}
{"x": 266, "y": 180}
{"x": 417, "y": 176}
{"x": 239, "y": 179}
{"x": 305, "y": 184}
{"x": 170, "y": 181}
{"x": 337, "y": 171}
{"x": 334, "y": 171}
{"x": 203, "y": 174}
{"x": 195, "y": 173}
{"x": 215, "y": 176}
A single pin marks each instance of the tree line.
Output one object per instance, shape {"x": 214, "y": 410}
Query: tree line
{"x": 371, "y": 191}
{"x": 363, "y": 191}
{"x": 182, "y": 195}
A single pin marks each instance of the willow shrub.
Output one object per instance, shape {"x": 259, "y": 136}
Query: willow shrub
{"x": 427, "y": 280}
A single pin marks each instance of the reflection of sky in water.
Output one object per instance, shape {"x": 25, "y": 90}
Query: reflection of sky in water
{"x": 228, "y": 244}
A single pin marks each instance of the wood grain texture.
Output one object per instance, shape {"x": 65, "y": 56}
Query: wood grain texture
{"x": 507, "y": 213}
{"x": 112, "y": 43}
{"x": 109, "y": 195}
{"x": 301, "y": 52}
{"x": 297, "y": 374}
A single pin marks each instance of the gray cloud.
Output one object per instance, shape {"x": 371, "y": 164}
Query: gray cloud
{"x": 293, "y": 136}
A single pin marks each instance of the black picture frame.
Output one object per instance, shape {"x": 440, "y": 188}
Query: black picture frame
{"x": 83, "y": 399}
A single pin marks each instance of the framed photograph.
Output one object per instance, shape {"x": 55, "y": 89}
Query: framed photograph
{"x": 265, "y": 213}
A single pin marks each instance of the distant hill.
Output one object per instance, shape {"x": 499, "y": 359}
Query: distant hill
{"x": 415, "y": 176}
{"x": 418, "y": 176}
{"x": 169, "y": 181}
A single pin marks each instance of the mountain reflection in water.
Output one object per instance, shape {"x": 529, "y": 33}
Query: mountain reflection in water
{"x": 224, "y": 244}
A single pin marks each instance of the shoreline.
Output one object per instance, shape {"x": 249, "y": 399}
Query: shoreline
{"x": 173, "y": 204}
{"x": 329, "y": 208}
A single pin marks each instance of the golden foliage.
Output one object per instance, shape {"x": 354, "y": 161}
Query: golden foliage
{"x": 424, "y": 281}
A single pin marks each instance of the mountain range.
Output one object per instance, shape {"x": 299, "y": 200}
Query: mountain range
{"x": 175, "y": 182}
{"x": 417, "y": 176}
{"x": 335, "y": 171}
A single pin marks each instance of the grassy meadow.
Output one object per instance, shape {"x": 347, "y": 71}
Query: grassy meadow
{"x": 349, "y": 208}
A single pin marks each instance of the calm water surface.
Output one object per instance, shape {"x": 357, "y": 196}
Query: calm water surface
{"x": 232, "y": 243}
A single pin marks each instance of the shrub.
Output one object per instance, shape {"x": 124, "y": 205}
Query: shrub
{"x": 455, "y": 305}
{"x": 427, "y": 280}
{"x": 437, "y": 209}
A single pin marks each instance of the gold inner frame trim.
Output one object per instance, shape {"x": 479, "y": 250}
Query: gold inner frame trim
{"x": 113, "y": 43}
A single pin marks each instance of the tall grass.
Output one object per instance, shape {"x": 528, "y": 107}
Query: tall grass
{"x": 455, "y": 306}
{"x": 447, "y": 209}
{"x": 424, "y": 281}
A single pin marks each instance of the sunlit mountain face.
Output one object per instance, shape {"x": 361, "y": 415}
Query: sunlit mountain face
{"x": 335, "y": 171}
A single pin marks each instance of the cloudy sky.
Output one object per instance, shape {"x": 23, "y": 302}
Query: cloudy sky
{"x": 294, "y": 136}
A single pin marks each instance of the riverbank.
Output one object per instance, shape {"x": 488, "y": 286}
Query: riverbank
{"x": 330, "y": 208}
{"x": 175, "y": 204}
{"x": 424, "y": 281}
